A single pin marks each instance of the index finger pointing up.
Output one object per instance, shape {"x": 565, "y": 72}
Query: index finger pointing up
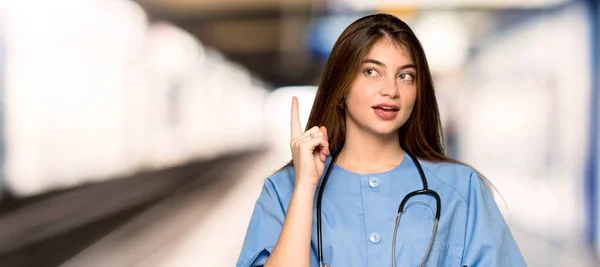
{"x": 295, "y": 121}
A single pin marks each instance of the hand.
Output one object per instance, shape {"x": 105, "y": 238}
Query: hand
{"x": 309, "y": 149}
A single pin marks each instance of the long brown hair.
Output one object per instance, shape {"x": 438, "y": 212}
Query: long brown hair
{"x": 422, "y": 133}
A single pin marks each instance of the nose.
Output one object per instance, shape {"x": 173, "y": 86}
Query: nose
{"x": 389, "y": 88}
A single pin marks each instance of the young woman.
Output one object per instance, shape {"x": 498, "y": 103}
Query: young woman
{"x": 392, "y": 198}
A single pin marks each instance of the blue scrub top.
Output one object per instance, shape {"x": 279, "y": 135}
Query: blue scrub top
{"x": 359, "y": 213}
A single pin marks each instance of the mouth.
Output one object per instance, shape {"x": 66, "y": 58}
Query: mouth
{"x": 386, "y": 112}
{"x": 386, "y": 107}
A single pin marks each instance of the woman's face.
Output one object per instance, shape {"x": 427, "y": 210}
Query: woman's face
{"x": 383, "y": 94}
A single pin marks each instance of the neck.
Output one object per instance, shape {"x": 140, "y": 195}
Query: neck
{"x": 365, "y": 152}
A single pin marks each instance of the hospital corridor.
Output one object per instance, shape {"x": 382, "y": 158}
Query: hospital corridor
{"x": 141, "y": 133}
{"x": 204, "y": 223}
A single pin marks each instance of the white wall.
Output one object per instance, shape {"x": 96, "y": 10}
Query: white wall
{"x": 94, "y": 92}
{"x": 525, "y": 121}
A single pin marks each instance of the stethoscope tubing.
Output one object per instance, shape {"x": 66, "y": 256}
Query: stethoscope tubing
{"x": 424, "y": 191}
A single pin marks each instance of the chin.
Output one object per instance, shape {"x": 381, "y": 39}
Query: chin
{"x": 385, "y": 130}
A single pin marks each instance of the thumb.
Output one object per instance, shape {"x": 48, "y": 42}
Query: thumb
{"x": 324, "y": 132}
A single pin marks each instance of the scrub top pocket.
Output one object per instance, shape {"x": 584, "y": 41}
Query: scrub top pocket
{"x": 441, "y": 255}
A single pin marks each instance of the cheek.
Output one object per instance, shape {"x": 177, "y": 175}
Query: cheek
{"x": 360, "y": 94}
{"x": 410, "y": 96}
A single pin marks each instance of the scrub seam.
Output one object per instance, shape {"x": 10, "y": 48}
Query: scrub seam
{"x": 434, "y": 175}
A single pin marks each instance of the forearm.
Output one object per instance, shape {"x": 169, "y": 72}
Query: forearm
{"x": 293, "y": 245}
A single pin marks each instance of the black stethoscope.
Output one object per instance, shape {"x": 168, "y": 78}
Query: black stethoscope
{"x": 424, "y": 191}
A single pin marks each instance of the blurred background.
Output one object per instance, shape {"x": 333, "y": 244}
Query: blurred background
{"x": 139, "y": 133}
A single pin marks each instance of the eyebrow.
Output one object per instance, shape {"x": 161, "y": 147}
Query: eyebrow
{"x": 379, "y": 63}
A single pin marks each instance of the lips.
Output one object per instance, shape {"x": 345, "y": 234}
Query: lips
{"x": 386, "y": 111}
{"x": 387, "y": 107}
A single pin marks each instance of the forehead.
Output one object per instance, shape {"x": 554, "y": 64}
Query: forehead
{"x": 390, "y": 53}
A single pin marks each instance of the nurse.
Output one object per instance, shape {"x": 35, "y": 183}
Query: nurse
{"x": 375, "y": 104}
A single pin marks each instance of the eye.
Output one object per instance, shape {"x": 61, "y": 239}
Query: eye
{"x": 407, "y": 76}
{"x": 370, "y": 72}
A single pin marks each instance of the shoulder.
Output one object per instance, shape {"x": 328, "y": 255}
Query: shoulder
{"x": 456, "y": 176}
{"x": 283, "y": 182}
{"x": 280, "y": 183}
